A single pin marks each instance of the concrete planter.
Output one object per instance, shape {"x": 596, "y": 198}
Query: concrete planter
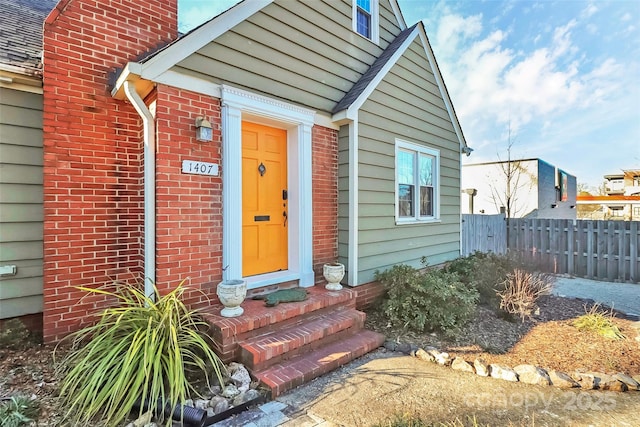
{"x": 333, "y": 274}
{"x": 231, "y": 294}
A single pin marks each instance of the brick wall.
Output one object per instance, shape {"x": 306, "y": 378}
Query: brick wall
{"x": 93, "y": 167}
{"x": 188, "y": 207}
{"x": 93, "y": 211}
{"x": 325, "y": 198}
{"x": 368, "y": 295}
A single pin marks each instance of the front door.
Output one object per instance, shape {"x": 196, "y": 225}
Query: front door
{"x": 264, "y": 199}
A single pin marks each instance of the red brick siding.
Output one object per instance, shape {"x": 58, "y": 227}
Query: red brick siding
{"x": 93, "y": 211}
{"x": 188, "y": 207}
{"x": 325, "y": 198}
{"x": 94, "y": 166}
{"x": 368, "y": 295}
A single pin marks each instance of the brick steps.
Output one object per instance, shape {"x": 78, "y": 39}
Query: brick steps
{"x": 303, "y": 368}
{"x": 292, "y": 343}
{"x": 309, "y": 333}
{"x": 257, "y": 319}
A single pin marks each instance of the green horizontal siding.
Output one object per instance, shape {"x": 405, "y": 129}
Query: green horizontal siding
{"x": 406, "y": 105}
{"x": 302, "y": 52}
{"x": 21, "y": 202}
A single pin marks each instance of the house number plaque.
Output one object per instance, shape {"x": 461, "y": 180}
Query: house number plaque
{"x": 199, "y": 168}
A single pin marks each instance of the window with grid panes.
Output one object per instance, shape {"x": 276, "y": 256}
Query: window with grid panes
{"x": 417, "y": 178}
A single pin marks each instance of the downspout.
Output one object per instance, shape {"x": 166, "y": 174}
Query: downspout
{"x": 149, "y": 129}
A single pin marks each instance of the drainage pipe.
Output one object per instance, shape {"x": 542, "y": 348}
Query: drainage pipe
{"x": 149, "y": 129}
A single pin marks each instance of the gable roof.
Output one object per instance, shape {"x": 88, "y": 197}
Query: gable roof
{"x": 156, "y": 66}
{"x": 21, "y": 24}
{"x": 375, "y": 70}
{"x": 353, "y": 100}
{"x": 162, "y": 60}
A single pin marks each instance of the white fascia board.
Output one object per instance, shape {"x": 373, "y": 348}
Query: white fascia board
{"x": 200, "y": 37}
{"x": 20, "y": 70}
{"x": 398, "y": 13}
{"x": 352, "y": 111}
{"x": 130, "y": 72}
{"x": 192, "y": 83}
{"x": 325, "y": 121}
{"x": 344, "y": 117}
{"x": 441, "y": 85}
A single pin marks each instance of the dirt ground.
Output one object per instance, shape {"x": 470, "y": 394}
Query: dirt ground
{"x": 383, "y": 384}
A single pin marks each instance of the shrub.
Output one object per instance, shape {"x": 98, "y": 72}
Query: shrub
{"x": 139, "y": 350}
{"x": 522, "y": 290}
{"x": 435, "y": 299}
{"x": 18, "y": 411}
{"x": 599, "y": 322}
{"x": 484, "y": 272}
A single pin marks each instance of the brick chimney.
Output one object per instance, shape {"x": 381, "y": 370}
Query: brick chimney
{"x": 93, "y": 186}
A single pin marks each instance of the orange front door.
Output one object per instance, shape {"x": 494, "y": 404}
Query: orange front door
{"x": 264, "y": 199}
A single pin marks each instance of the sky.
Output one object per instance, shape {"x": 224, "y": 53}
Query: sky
{"x": 557, "y": 80}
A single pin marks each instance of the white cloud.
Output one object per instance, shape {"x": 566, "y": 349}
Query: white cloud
{"x": 590, "y": 10}
{"x": 454, "y": 29}
{"x": 492, "y": 85}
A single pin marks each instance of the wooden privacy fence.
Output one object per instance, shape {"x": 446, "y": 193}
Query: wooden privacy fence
{"x": 484, "y": 233}
{"x": 601, "y": 250}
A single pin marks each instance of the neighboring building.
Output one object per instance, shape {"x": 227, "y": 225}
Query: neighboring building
{"x": 615, "y": 207}
{"x": 626, "y": 183}
{"x": 537, "y": 189}
{"x": 21, "y": 175}
{"x": 621, "y": 201}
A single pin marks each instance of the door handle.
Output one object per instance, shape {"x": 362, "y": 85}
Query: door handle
{"x": 284, "y": 214}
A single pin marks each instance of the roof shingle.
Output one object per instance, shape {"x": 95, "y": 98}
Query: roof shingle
{"x": 373, "y": 71}
{"x": 21, "y": 24}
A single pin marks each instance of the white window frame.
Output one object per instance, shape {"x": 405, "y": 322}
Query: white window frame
{"x": 418, "y": 149}
{"x": 375, "y": 21}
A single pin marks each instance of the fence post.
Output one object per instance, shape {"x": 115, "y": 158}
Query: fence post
{"x": 570, "y": 243}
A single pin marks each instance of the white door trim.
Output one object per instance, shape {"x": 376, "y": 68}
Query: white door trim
{"x": 239, "y": 105}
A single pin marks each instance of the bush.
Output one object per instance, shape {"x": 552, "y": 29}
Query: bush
{"x": 522, "y": 290}
{"x": 435, "y": 299}
{"x": 18, "y": 411}
{"x": 599, "y": 322}
{"x": 486, "y": 273}
{"x": 140, "y": 350}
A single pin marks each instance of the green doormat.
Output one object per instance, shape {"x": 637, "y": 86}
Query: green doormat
{"x": 283, "y": 295}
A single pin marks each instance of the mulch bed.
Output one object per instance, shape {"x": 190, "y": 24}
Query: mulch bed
{"x": 548, "y": 339}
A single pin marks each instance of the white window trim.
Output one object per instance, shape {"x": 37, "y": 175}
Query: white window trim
{"x": 400, "y": 144}
{"x": 375, "y": 21}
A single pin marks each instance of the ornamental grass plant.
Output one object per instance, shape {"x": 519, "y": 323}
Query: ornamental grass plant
{"x": 522, "y": 290}
{"x": 141, "y": 350}
{"x": 599, "y": 321}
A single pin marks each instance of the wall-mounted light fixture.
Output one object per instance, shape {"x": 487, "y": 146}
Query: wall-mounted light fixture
{"x": 466, "y": 150}
{"x": 204, "y": 130}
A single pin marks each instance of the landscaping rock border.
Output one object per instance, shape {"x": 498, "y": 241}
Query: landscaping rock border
{"x": 527, "y": 374}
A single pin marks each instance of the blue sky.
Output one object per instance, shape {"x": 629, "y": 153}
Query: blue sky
{"x": 563, "y": 76}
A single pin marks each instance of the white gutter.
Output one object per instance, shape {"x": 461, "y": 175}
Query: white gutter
{"x": 149, "y": 129}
